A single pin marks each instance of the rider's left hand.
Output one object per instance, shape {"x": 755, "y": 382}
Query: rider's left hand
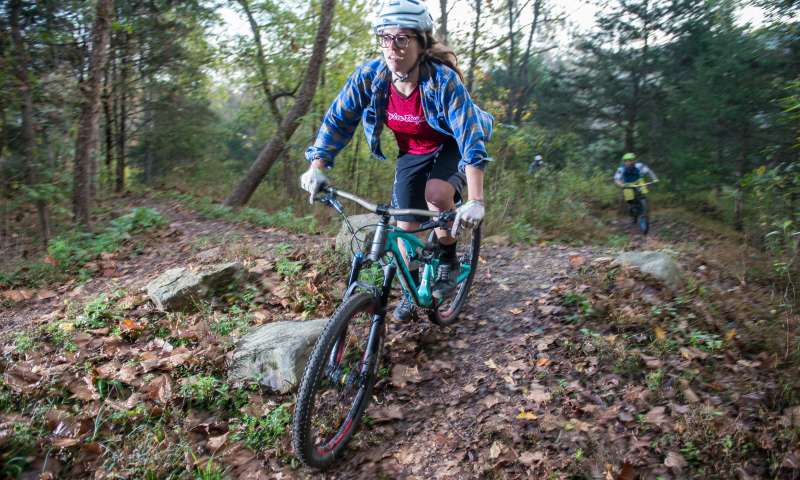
{"x": 468, "y": 215}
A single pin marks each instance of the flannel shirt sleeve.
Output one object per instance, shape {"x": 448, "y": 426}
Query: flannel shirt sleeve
{"x": 471, "y": 126}
{"x": 341, "y": 120}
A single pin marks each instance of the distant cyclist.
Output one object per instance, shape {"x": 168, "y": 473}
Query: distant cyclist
{"x": 536, "y": 164}
{"x": 632, "y": 173}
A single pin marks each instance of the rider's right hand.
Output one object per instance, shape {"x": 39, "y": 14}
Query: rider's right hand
{"x": 312, "y": 182}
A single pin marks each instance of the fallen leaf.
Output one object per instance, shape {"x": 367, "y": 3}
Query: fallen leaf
{"x": 179, "y": 356}
{"x": 627, "y": 472}
{"x": 215, "y": 443}
{"x": 531, "y": 458}
{"x": 470, "y": 388}
{"x": 490, "y": 401}
{"x": 496, "y": 449}
{"x": 159, "y": 389}
{"x": 83, "y": 389}
{"x": 21, "y": 378}
{"x": 538, "y": 393}
{"x": 490, "y": 363}
{"x": 730, "y": 335}
{"x": 516, "y": 311}
{"x": 577, "y": 260}
{"x": 656, "y": 416}
{"x": 661, "y": 335}
{"x": 543, "y": 362}
{"x": 387, "y": 413}
{"x": 691, "y": 353}
{"x": 523, "y": 415}
{"x": 131, "y": 325}
{"x": 65, "y": 442}
{"x": 18, "y": 295}
{"x": 403, "y": 375}
{"x": 45, "y": 294}
{"x": 675, "y": 460}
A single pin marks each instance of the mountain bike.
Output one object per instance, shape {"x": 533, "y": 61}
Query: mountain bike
{"x": 638, "y": 208}
{"x": 343, "y": 367}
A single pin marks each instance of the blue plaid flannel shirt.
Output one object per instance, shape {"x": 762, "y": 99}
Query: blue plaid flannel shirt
{"x": 447, "y": 105}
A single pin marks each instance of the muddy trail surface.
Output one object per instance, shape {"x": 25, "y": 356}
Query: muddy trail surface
{"x": 530, "y": 383}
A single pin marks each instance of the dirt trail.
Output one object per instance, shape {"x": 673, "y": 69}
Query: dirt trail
{"x": 450, "y": 408}
{"x": 516, "y": 389}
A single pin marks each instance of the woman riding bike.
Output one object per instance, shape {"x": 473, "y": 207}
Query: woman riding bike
{"x": 416, "y": 90}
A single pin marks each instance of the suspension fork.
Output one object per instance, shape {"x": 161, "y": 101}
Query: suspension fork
{"x": 375, "y": 341}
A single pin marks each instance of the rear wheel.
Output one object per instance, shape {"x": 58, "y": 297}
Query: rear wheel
{"x": 446, "y": 310}
{"x": 337, "y": 383}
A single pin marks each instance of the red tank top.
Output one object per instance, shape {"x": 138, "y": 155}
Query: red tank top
{"x": 406, "y": 118}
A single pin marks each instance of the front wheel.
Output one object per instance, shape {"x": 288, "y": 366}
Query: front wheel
{"x": 446, "y": 310}
{"x": 643, "y": 219}
{"x": 337, "y": 382}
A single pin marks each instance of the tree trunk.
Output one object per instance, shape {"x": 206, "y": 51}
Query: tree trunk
{"x": 122, "y": 99}
{"x": 108, "y": 116}
{"x": 29, "y": 164}
{"x": 90, "y": 109}
{"x": 473, "y": 50}
{"x": 523, "y": 83}
{"x": 442, "y": 31}
{"x": 261, "y": 62}
{"x": 510, "y": 65}
{"x": 269, "y": 154}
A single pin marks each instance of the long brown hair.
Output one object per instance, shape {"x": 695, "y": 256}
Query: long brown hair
{"x": 440, "y": 53}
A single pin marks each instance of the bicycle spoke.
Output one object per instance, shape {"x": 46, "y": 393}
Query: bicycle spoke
{"x": 340, "y": 388}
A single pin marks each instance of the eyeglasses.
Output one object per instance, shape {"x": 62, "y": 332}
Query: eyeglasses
{"x": 385, "y": 40}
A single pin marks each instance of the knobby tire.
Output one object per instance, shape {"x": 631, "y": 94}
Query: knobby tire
{"x": 446, "y": 313}
{"x": 305, "y": 444}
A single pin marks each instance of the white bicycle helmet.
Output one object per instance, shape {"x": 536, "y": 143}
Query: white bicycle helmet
{"x": 411, "y": 14}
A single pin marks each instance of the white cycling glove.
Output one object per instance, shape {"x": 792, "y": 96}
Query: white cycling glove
{"x": 312, "y": 182}
{"x": 468, "y": 215}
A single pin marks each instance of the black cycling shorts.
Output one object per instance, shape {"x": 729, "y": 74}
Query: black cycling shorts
{"x": 414, "y": 171}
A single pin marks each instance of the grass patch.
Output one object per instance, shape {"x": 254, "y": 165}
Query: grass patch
{"x": 262, "y": 433}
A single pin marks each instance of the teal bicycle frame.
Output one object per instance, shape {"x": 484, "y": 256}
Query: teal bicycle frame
{"x": 414, "y": 248}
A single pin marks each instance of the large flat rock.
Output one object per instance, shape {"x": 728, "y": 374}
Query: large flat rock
{"x": 276, "y": 354}
{"x": 657, "y": 264}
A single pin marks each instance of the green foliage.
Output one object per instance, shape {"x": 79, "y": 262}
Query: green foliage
{"x": 705, "y": 341}
{"x": 582, "y": 304}
{"x": 235, "y": 319}
{"x": 775, "y": 193}
{"x": 73, "y": 249}
{"x": 18, "y": 448}
{"x": 262, "y": 433}
{"x": 288, "y": 268}
{"x": 284, "y": 218}
{"x": 201, "y": 389}
{"x": 60, "y": 335}
{"x": 23, "y": 342}
{"x": 522, "y": 232}
{"x": 99, "y": 312}
{"x": 558, "y": 204}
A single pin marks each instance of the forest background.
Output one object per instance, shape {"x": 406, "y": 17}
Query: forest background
{"x": 180, "y": 103}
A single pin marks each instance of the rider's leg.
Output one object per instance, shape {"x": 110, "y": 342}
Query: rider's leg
{"x": 440, "y": 194}
{"x": 409, "y": 192}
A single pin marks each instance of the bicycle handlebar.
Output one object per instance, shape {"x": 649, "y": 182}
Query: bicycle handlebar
{"x": 637, "y": 186}
{"x": 374, "y": 208}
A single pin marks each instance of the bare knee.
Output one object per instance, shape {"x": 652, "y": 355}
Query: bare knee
{"x": 439, "y": 194}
